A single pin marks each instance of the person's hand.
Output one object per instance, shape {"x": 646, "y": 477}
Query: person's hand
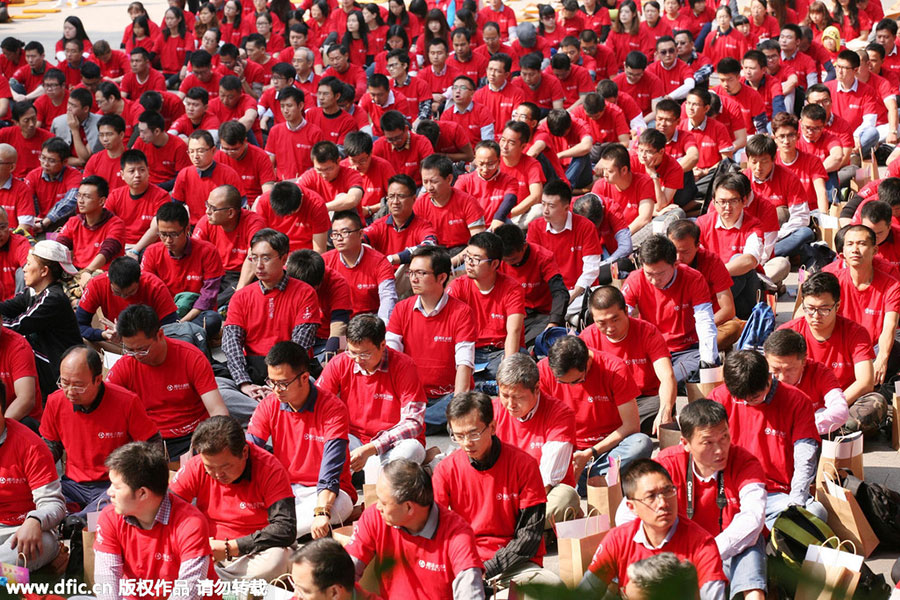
{"x": 494, "y": 225}
{"x": 218, "y": 549}
{"x": 394, "y": 259}
{"x": 27, "y": 540}
{"x": 83, "y": 278}
{"x": 662, "y": 417}
{"x": 892, "y": 138}
{"x": 880, "y": 366}
{"x": 320, "y": 528}
{"x": 239, "y": 70}
{"x": 257, "y": 392}
{"x": 549, "y": 325}
{"x": 580, "y": 458}
{"x": 73, "y": 123}
{"x": 359, "y": 457}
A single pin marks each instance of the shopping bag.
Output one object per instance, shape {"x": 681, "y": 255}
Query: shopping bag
{"x": 88, "y": 535}
{"x": 604, "y": 492}
{"x": 845, "y": 516}
{"x": 843, "y": 453}
{"x": 577, "y": 541}
{"x": 369, "y": 580}
{"x": 669, "y": 434}
{"x": 277, "y": 589}
{"x": 13, "y": 573}
{"x": 829, "y": 574}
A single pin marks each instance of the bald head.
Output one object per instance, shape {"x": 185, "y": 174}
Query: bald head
{"x": 8, "y": 153}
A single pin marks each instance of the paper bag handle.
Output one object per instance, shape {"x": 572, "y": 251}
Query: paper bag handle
{"x": 565, "y": 516}
{"x": 24, "y": 560}
{"x": 280, "y": 580}
{"x": 852, "y": 545}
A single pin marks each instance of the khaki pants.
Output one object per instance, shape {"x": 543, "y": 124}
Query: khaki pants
{"x": 729, "y": 333}
{"x": 268, "y": 565}
{"x": 525, "y": 574}
{"x": 563, "y": 503}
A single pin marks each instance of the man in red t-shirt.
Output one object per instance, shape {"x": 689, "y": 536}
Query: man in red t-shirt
{"x": 142, "y": 77}
{"x": 298, "y": 212}
{"x": 251, "y": 163}
{"x": 194, "y": 184}
{"x": 173, "y": 378}
{"x": 340, "y": 186}
{"x": 401, "y": 147}
{"x": 136, "y": 203}
{"x": 666, "y": 173}
{"x": 651, "y": 495}
{"x": 289, "y": 143}
{"x": 25, "y": 137}
{"x": 94, "y": 235}
{"x": 499, "y": 96}
{"x": 786, "y": 353}
{"x": 502, "y": 498}
{"x": 245, "y": 494}
{"x": 599, "y": 389}
{"x": 54, "y": 185}
{"x": 632, "y": 195}
{"x": 111, "y": 132}
{"x": 166, "y": 154}
{"x": 309, "y": 428}
{"x": 543, "y": 427}
{"x": 433, "y": 549}
{"x": 374, "y": 170}
{"x": 178, "y": 533}
{"x": 774, "y": 422}
{"x": 383, "y": 394}
{"x": 88, "y": 419}
{"x": 455, "y": 215}
{"x": 13, "y": 255}
{"x": 638, "y": 83}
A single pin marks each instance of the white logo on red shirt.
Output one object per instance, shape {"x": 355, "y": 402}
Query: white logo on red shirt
{"x": 313, "y": 437}
{"x": 430, "y": 566}
{"x": 164, "y": 557}
{"x": 380, "y": 396}
{"x": 12, "y": 480}
{"x": 598, "y": 398}
{"x": 174, "y": 387}
{"x": 443, "y": 338}
{"x": 252, "y": 505}
{"x": 108, "y": 435}
{"x": 775, "y": 432}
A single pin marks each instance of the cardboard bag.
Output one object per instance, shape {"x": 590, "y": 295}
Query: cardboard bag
{"x": 845, "y": 516}
{"x": 369, "y": 580}
{"x": 369, "y": 496}
{"x": 843, "y": 452}
{"x": 604, "y": 492}
{"x": 578, "y": 540}
{"x": 88, "y": 535}
{"x": 277, "y": 589}
{"x": 828, "y": 574}
{"x": 15, "y": 573}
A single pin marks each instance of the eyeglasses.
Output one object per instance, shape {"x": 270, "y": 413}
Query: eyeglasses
{"x": 170, "y": 235}
{"x": 822, "y": 311}
{"x": 474, "y": 261}
{"x": 49, "y": 160}
{"x": 212, "y": 209}
{"x": 786, "y": 137}
{"x": 418, "y": 274}
{"x": 666, "y": 52}
{"x": 728, "y": 202}
{"x": 394, "y": 197}
{"x": 281, "y": 385}
{"x": 339, "y": 235}
{"x": 78, "y": 389}
{"x": 359, "y": 355}
{"x": 462, "y": 437}
{"x": 262, "y": 259}
{"x": 195, "y": 151}
{"x": 652, "y": 498}
{"x": 136, "y": 353}
{"x": 461, "y": 88}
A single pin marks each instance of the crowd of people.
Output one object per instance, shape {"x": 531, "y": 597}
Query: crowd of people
{"x": 250, "y": 255}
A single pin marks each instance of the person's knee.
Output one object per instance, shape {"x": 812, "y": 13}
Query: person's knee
{"x": 410, "y": 450}
{"x": 635, "y": 446}
{"x": 563, "y": 503}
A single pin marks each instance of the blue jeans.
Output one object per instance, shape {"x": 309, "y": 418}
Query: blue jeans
{"x": 86, "y": 494}
{"x": 796, "y": 242}
{"x": 492, "y": 358}
{"x": 686, "y": 362}
{"x": 747, "y": 570}
{"x": 579, "y": 172}
{"x": 868, "y": 139}
{"x": 777, "y": 502}
{"x": 436, "y": 413}
{"x": 635, "y": 446}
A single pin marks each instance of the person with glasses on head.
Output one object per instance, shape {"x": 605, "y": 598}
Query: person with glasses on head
{"x": 87, "y": 418}
{"x": 341, "y": 187}
{"x": 497, "y": 301}
{"x": 245, "y": 493}
{"x": 229, "y": 228}
{"x": 498, "y": 489}
{"x": 250, "y": 162}
{"x": 774, "y": 421}
{"x": 474, "y": 117}
{"x": 786, "y": 354}
{"x": 273, "y": 308}
{"x": 15, "y": 196}
{"x": 436, "y": 330}
{"x": 194, "y": 184}
{"x": 95, "y": 235}
{"x": 652, "y": 496}
{"x": 191, "y": 269}
{"x": 832, "y": 339}
{"x": 370, "y": 275}
{"x": 309, "y": 428}
{"x": 196, "y": 115}
{"x": 173, "y": 378}
{"x": 735, "y": 236}
{"x": 54, "y": 185}
{"x": 707, "y": 468}
{"x": 384, "y": 396}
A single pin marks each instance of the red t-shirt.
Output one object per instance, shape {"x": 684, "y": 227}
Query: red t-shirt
{"x": 237, "y": 509}
{"x": 806, "y": 168}
{"x": 90, "y": 437}
{"x": 245, "y": 102}
{"x": 492, "y": 310}
{"x": 472, "y": 121}
{"x": 538, "y": 268}
{"x": 211, "y": 86}
{"x": 334, "y": 295}
{"x": 626, "y": 201}
{"x": 106, "y": 167}
{"x": 86, "y": 242}
{"x": 375, "y": 179}
{"x": 192, "y": 189}
{"x": 852, "y": 104}
{"x": 335, "y": 127}
{"x": 816, "y": 381}
{"x": 491, "y": 501}
{"x": 171, "y": 391}
{"x": 644, "y": 91}
{"x": 731, "y": 242}
{"x": 500, "y": 104}
{"x": 452, "y": 221}
{"x": 184, "y": 126}
{"x": 577, "y": 83}
{"x": 849, "y": 344}
{"x": 167, "y": 161}
{"x": 363, "y": 277}
{"x": 433, "y": 341}
{"x": 670, "y": 309}
{"x": 374, "y": 401}
{"x": 422, "y": 567}
{"x": 475, "y": 68}
{"x": 232, "y": 245}
{"x": 608, "y": 126}
{"x": 48, "y": 193}
{"x": 712, "y": 138}
{"x": 47, "y": 111}
{"x": 548, "y": 90}
{"x": 345, "y": 180}
{"x": 407, "y": 160}
{"x": 750, "y": 102}
{"x": 292, "y": 148}
{"x": 671, "y": 175}
{"x": 186, "y": 274}
{"x": 155, "y": 554}
{"x": 383, "y": 235}
{"x": 868, "y": 307}
{"x": 489, "y": 193}
{"x": 821, "y": 148}
{"x": 25, "y": 465}
{"x": 552, "y": 421}
{"x": 299, "y": 437}
{"x": 137, "y": 213}
{"x": 133, "y": 89}
{"x": 17, "y": 361}
{"x": 151, "y": 291}
{"x": 672, "y": 78}
{"x": 641, "y": 347}
{"x": 311, "y": 218}
{"x": 29, "y": 150}
{"x": 254, "y": 169}
{"x": 13, "y": 255}
{"x": 570, "y": 246}
{"x": 607, "y": 385}
{"x": 770, "y": 430}
{"x": 528, "y": 171}
{"x": 713, "y": 270}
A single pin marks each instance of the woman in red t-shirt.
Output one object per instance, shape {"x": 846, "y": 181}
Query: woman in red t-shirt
{"x": 274, "y": 42}
{"x": 73, "y": 28}
{"x": 435, "y": 26}
{"x": 206, "y": 19}
{"x": 141, "y": 37}
{"x": 548, "y": 28}
{"x": 854, "y": 23}
{"x": 763, "y": 26}
{"x": 176, "y": 45}
{"x": 626, "y": 35}
{"x": 671, "y": 13}
{"x": 232, "y": 26}
{"x": 376, "y": 26}
{"x": 318, "y": 23}
{"x": 726, "y": 41}
{"x": 356, "y": 40}
{"x": 819, "y": 19}
{"x": 398, "y": 15}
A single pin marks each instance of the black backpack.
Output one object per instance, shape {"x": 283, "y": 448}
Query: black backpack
{"x": 881, "y": 506}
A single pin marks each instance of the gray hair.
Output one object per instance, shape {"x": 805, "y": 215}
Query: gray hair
{"x": 518, "y": 369}
{"x": 310, "y": 56}
{"x": 665, "y": 576}
{"x": 409, "y": 482}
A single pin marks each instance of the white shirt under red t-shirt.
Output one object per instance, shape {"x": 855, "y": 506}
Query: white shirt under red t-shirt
{"x": 187, "y": 273}
{"x": 240, "y": 508}
{"x": 365, "y": 277}
{"x": 848, "y": 344}
{"x": 642, "y": 346}
{"x": 171, "y": 392}
{"x": 607, "y": 385}
{"x": 452, "y": 221}
{"x": 492, "y": 500}
{"x": 90, "y": 437}
{"x": 626, "y": 201}
{"x": 769, "y": 430}
{"x": 493, "y": 309}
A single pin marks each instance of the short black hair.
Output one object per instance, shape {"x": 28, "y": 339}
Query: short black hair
{"x": 173, "y": 212}
{"x": 760, "y": 145}
{"x": 232, "y": 132}
{"x": 198, "y": 93}
{"x": 440, "y": 260}
{"x": 876, "y": 211}
{"x": 140, "y": 465}
{"x": 366, "y": 326}
{"x": 746, "y": 373}
{"x": 700, "y": 413}
{"x": 728, "y": 66}
{"x": 58, "y": 146}
{"x": 657, "y": 248}
{"x": 567, "y": 353}
{"x": 608, "y": 296}
{"x": 489, "y": 242}
{"x": 114, "y": 121}
{"x": 404, "y": 180}
{"x": 464, "y": 403}
{"x": 438, "y": 162}
{"x": 512, "y": 236}
{"x": 358, "y": 142}
{"x": 152, "y": 119}
{"x": 306, "y": 265}
{"x": 785, "y": 342}
{"x": 821, "y": 283}
{"x": 325, "y": 151}
{"x": 219, "y": 433}
{"x": 97, "y": 182}
{"x": 683, "y": 229}
{"x": 636, "y": 470}
{"x": 329, "y": 563}
{"x": 124, "y": 271}
{"x": 393, "y": 120}
{"x": 137, "y": 318}
{"x": 285, "y": 198}
{"x": 277, "y": 240}
{"x": 291, "y": 93}
{"x": 889, "y": 191}
{"x": 559, "y": 188}
{"x": 133, "y": 157}
{"x": 288, "y": 353}
{"x": 350, "y": 215}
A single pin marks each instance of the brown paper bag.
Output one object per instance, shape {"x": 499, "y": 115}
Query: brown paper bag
{"x": 604, "y": 492}
{"x": 828, "y": 574}
{"x": 845, "y": 516}
{"x": 577, "y": 541}
{"x": 669, "y": 434}
{"x": 369, "y": 496}
{"x": 369, "y": 580}
{"x": 843, "y": 452}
